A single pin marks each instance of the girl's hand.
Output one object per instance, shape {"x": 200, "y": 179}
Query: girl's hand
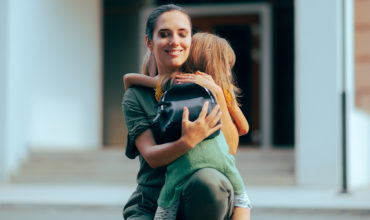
{"x": 199, "y": 78}
{"x": 193, "y": 132}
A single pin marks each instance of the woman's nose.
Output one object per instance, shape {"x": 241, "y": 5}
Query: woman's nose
{"x": 175, "y": 41}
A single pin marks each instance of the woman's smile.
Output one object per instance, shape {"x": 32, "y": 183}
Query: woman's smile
{"x": 174, "y": 52}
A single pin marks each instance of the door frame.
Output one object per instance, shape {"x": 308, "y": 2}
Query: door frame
{"x": 264, "y": 11}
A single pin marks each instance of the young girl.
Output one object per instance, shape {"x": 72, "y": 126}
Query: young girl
{"x": 213, "y": 55}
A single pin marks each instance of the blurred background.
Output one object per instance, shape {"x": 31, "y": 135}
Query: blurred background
{"x": 262, "y": 36}
{"x": 303, "y": 67}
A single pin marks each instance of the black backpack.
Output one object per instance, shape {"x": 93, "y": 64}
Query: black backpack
{"x": 167, "y": 124}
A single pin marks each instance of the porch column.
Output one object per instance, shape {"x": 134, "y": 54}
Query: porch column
{"x": 58, "y": 44}
{"x": 3, "y": 77}
{"x": 318, "y": 87}
{"x": 325, "y": 70}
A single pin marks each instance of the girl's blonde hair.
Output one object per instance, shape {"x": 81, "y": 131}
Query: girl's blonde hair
{"x": 213, "y": 55}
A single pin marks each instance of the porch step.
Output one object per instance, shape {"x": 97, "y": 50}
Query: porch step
{"x": 112, "y": 167}
{"x": 105, "y": 166}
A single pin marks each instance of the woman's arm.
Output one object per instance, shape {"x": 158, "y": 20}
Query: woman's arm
{"x": 130, "y": 79}
{"x": 158, "y": 155}
{"x": 228, "y": 127}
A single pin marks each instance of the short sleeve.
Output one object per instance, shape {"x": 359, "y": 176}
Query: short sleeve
{"x": 136, "y": 121}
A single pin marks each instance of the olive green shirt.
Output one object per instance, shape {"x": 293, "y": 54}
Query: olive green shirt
{"x": 139, "y": 109}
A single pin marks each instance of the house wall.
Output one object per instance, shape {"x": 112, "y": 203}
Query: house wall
{"x": 362, "y": 54}
{"x": 357, "y": 86}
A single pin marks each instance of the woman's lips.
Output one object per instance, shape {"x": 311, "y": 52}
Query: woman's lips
{"x": 174, "y": 52}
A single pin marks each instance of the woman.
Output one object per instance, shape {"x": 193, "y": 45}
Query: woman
{"x": 212, "y": 54}
{"x": 207, "y": 194}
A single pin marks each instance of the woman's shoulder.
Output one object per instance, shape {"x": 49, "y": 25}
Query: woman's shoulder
{"x": 135, "y": 89}
{"x": 138, "y": 91}
{"x": 139, "y": 96}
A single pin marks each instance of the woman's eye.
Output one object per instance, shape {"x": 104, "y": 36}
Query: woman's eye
{"x": 183, "y": 34}
{"x": 163, "y": 34}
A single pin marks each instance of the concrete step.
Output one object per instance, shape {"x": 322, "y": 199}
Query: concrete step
{"x": 105, "y": 166}
{"x": 111, "y": 166}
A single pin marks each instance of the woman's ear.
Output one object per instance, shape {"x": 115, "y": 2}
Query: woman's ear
{"x": 149, "y": 43}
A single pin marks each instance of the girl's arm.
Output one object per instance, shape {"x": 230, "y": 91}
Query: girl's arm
{"x": 239, "y": 118}
{"x": 158, "y": 155}
{"x": 241, "y": 213}
{"x": 235, "y": 112}
{"x": 228, "y": 127}
{"x": 130, "y": 79}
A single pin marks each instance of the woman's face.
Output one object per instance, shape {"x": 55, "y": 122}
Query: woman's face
{"x": 171, "y": 41}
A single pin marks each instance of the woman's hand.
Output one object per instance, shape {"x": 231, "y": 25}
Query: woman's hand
{"x": 193, "y": 132}
{"x": 199, "y": 78}
{"x": 229, "y": 129}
